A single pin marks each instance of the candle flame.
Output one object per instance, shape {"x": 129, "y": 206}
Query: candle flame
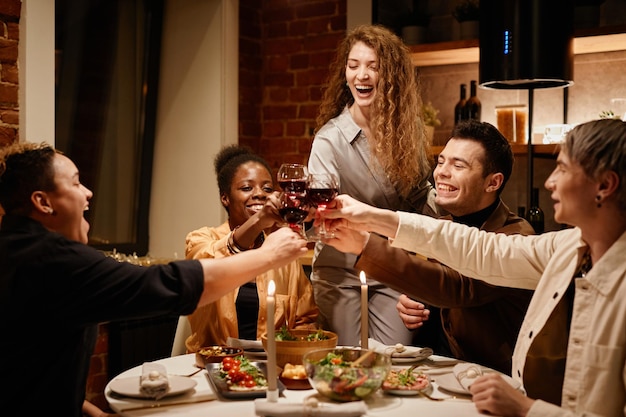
{"x": 362, "y": 278}
{"x": 271, "y": 288}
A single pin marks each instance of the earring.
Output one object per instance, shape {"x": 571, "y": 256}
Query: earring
{"x": 49, "y": 210}
{"x": 598, "y": 201}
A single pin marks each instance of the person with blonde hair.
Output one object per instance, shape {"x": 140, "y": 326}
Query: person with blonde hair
{"x": 569, "y": 354}
{"x": 370, "y": 133}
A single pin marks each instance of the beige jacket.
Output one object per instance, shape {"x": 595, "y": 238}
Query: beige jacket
{"x": 595, "y": 370}
{"x": 214, "y": 323}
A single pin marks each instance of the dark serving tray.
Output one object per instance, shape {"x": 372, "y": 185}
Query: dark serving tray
{"x": 222, "y": 391}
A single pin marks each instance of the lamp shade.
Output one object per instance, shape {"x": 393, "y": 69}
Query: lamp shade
{"x": 526, "y": 44}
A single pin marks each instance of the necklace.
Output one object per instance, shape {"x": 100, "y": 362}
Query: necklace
{"x": 585, "y": 265}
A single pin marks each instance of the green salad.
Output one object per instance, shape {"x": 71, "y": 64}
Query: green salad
{"x": 340, "y": 380}
{"x": 285, "y": 335}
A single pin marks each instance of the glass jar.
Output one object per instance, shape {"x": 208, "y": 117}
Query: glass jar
{"x": 511, "y": 122}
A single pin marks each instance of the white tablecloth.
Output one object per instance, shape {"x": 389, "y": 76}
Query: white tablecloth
{"x": 203, "y": 402}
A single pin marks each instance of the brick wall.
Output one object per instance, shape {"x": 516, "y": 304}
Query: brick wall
{"x": 295, "y": 41}
{"x": 98, "y": 370}
{"x": 9, "y": 74}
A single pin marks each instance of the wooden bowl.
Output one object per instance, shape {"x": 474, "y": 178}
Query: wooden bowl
{"x": 215, "y": 354}
{"x": 291, "y": 351}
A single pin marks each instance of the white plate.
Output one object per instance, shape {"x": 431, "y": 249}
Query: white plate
{"x": 405, "y": 360}
{"x": 255, "y": 354}
{"x": 129, "y": 387}
{"x": 449, "y": 382}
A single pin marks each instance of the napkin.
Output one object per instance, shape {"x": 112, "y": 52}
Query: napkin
{"x": 400, "y": 351}
{"x": 153, "y": 381}
{"x": 466, "y": 373}
{"x": 253, "y": 345}
{"x": 310, "y": 407}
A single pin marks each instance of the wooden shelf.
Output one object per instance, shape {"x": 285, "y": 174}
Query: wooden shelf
{"x": 519, "y": 150}
{"x": 467, "y": 51}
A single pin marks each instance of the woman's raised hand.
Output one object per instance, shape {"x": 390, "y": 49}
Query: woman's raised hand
{"x": 284, "y": 245}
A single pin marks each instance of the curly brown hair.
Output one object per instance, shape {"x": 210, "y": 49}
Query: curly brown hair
{"x": 399, "y": 142}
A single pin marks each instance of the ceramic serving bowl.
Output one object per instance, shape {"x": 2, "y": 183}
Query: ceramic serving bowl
{"x": 346, "y": 374}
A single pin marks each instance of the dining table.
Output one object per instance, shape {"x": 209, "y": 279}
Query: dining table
{"x": 202, "y": 400}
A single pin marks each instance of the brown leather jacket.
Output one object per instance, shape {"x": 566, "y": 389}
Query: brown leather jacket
{"x": 481, "y": 321}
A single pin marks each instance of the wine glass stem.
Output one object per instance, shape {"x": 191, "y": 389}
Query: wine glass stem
{"x": 298, "y": 228}
{"x": 322, "y": 232}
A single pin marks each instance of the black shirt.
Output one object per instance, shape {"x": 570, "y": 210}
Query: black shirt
{"x": 53, "y": 293}
{"x": 247, "y": 311}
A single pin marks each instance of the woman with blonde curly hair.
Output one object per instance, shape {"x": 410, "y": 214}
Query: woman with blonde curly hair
{"x": 370, "y": 133}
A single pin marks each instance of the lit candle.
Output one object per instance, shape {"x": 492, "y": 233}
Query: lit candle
{"x": 272, "y": 391}
{"x": 364, "y": 310}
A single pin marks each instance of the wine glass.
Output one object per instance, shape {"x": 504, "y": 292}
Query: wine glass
{"x": 321, "y": 190}
{"x": 294, "y": 209}
{"x": 294, "y": 206}
{"x": 292, "y": 178}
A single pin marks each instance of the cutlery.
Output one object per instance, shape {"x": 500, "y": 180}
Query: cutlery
{"x": 194, "y": 372}
{"x": 190, "y": 374}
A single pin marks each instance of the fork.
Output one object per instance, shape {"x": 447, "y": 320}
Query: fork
{"x": 191, "y": 373}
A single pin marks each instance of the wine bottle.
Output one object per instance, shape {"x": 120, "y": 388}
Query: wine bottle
{"x": 458, "y": 108}
{"x": 472, "y": 105}
{"x": 535, "y": 214}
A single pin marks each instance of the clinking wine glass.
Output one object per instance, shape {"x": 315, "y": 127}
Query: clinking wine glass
{"x": 294, "y": 209}
{"x": 321, "y": 190}
{"x": 292, "y": 178}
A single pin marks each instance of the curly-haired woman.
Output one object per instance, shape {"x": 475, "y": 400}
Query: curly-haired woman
{"x": 371, "y": 135}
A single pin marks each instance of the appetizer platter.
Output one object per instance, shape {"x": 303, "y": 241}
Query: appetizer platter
{"x": 239, "y": 378}
{"x": 407, "y": 382}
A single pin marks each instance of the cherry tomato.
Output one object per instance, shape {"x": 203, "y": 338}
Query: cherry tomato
{"x": 227, "y": 364}
{"x": 336, "y": 361}
{"x": 250, "y": 383}
{"x": 236, "y": 363}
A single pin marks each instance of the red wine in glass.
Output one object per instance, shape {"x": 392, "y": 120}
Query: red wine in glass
{"x": 294, "y": 186}
{"x": 294, "y": 208}
{"x": 320, "y": 197}
{"x": 292, "y": 178}
{"x": 322, "y": 189}
{"x": 293, "y": 215}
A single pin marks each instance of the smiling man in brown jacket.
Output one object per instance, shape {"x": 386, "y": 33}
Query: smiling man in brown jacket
{"x": 480, "y": 321}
